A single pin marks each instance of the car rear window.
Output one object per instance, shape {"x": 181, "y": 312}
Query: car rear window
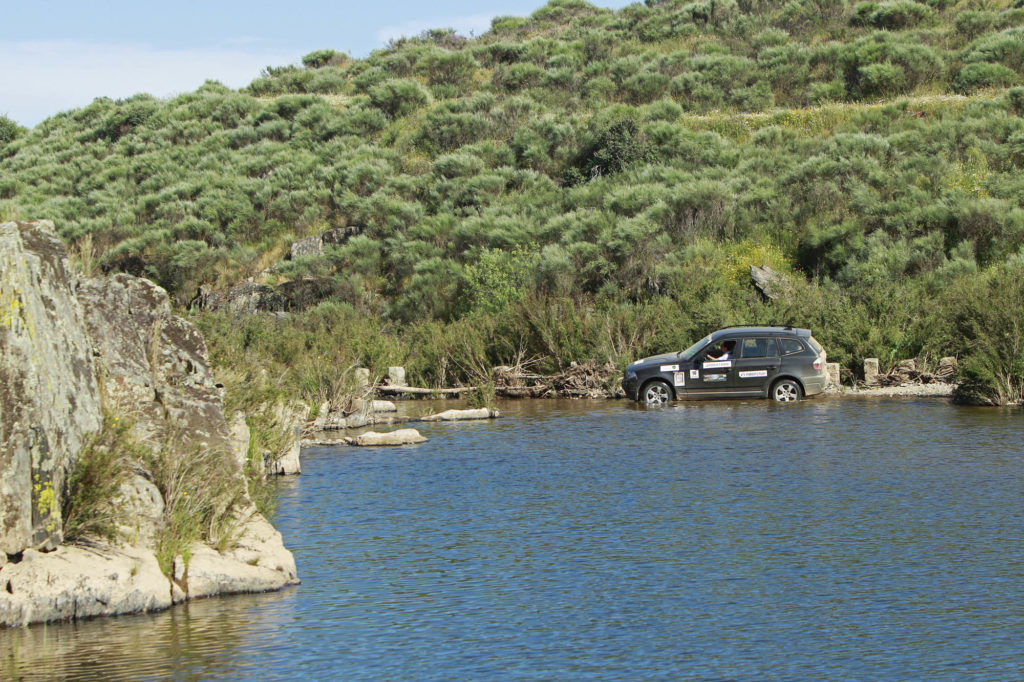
{"x": 790, "y": 346}
{"x": 815, "y": 345}
{"x": 759, "y": 348}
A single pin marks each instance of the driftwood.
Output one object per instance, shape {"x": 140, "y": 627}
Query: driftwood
{"x": 413, "y": 390}
{"x": 579, "y": 380}
{"x": 907, "y": 372}
{"x": 583, "y": 380}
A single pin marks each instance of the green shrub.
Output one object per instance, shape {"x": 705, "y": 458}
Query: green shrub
{"x": 973, "y": 24}
{"x": 442, "y": 67}
{"x": 1005, "y": 48}
{"x": 979, "y": 75}
{"x": 515, "y": 77}
{"x": 894, "y": 15}
{"x": 318, "y": 59}
{"x": 981, "y": 321}
{"x": 92, "y": 485}
{"x": 9, "y": 131}
{"x": 398, "y": 97}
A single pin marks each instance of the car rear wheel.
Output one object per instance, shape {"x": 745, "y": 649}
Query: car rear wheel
{"x": 657, "y": 393}
{"x": 786, "y": 391}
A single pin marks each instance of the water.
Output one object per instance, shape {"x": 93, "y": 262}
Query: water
{"x": 839, "y": 538}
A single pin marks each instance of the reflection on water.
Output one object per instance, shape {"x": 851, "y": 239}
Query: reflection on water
{"x": 850, "y": 538}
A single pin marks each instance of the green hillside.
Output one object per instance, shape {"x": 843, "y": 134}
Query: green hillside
{"x": 580, "y": 184}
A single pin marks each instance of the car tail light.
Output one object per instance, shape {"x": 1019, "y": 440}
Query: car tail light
{"x": 818, "y": 364}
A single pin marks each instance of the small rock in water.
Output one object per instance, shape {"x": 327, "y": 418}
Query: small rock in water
{"x": 399, "y": 437}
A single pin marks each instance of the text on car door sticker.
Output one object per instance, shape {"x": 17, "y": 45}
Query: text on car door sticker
{"x": 670, "y": 368}
{"x": 679, "y": 379}
{"x": 718, "y": 365}
{"x": 754, "y": 373}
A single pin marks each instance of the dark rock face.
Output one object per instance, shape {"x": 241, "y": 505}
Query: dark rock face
{"x": 250, "y": 298}
{"x": 152, "y": 364}
{"x": 69, "y": 348}
{"x": 49, "y": 398}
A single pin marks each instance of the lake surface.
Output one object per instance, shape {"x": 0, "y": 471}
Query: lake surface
{"x": 835, "y": 538}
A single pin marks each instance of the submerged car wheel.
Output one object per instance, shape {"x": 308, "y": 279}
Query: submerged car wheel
{"x": 786, "y": 391}
{"x": 657, "y": 393}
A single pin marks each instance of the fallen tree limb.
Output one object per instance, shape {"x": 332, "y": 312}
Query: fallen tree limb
{"x": 412, "y": 390}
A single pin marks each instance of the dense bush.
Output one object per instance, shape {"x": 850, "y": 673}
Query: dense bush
{"x": 564, "y": 175}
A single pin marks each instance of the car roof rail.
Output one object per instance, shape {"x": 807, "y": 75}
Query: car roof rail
{"x": 744, "y": 326}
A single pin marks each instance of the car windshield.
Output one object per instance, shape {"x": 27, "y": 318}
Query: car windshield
{"x": 692, "y": 350}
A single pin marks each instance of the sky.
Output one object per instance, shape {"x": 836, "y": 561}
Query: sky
{"x": 58, "y": 55}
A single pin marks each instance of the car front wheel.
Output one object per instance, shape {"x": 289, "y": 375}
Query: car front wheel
{"x": 786, "y": 391}
{"x": 657, "y": 393}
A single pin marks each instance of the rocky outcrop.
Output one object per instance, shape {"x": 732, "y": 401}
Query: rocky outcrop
{"x": 251, "y": 298}
{"x": 65, "y": 347}
{"x": 770, "y": 283}
{"x": 49, "y": 397}
{"x": 151, "y": 364}
{"x": 313, "y": 247}
{"x": 78, "y": 582}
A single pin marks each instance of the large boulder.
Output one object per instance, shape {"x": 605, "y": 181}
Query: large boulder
{"x": 256, "y": 562}
{"x": 251, "y": 298}
{"x": 152, "y": 364}
{"x": 313, "y": 247}
{"x": 74, "y": 582}
{"x": 49, "y": 397}
{"x": 64, "y": 344}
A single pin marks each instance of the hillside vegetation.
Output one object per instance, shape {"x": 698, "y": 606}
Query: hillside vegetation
{"x": 580, "y": 184}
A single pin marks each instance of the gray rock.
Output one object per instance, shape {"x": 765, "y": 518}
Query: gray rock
{"x": 60, "y": 341}
{"x": 257, "y": 562}
{"x": 240, "y": 437}
{"x": 312, "y": 247}
{"x": 396, "y": 376}
{"x": 73, "y": 582}
{"x": 143, "y": 506}
{"x": 287, "y": 463}
{"x": 306, "y": 248}
{"x": 362, "y": 376}
{"x": 153, "y": 365}
{"x": 771, "y": 283}
{"x": 49, "y": 397}
{"x": 871, "y": 371}
{"x": 399, "y": 437}
{"x": 251, "y": 298}
{"x": 461, "y": 415}
{"x": 832, "y": 370}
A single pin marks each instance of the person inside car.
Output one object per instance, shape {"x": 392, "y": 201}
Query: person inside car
{"x": 724, "y": 352}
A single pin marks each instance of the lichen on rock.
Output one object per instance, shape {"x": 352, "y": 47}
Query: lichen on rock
{"x": 69, "y": 350}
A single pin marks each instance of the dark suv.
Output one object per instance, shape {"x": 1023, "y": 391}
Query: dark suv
{"x": 784, "y": 363}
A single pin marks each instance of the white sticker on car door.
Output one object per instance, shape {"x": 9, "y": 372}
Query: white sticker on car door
{"x": 720, "y": 364}
{"x": 751, "y": 374}
{"x": 679, "y": 378}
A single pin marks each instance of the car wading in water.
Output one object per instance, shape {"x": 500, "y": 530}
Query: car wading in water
{"x": 783, "y": 363}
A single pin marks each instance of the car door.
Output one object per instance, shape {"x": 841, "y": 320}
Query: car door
{"x": 708, "y": 378}
{"x": 756, "y": 364}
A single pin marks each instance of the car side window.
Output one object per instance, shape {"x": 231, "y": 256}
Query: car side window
{"x": 759, "y": 348}
{"x": 790, "y": 346}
